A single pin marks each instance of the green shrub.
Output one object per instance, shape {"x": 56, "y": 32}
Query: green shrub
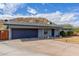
{"x": 63, "y": 34}
{"x": 69, "y": 33}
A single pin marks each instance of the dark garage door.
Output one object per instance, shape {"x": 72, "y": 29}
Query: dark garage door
{"x": 24, "y": 33}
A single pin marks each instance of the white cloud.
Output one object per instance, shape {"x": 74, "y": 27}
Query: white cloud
{"x": 2, "y": 17}
{"x": 1, "y": 5}
{"x": 67, "y": 17}
{"x": 31, "y": 10}
{"x": 54, "y": 17}
{"x": 62, "y": 18}
{"x": 8, "y": 8}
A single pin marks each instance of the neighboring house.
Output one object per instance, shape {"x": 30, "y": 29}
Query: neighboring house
{"x": 32, "y": 28}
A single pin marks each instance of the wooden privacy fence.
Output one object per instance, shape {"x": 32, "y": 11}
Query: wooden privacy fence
{"x": 4, "y": 34}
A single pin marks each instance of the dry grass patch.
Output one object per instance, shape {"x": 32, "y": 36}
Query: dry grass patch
{"x": 69, "y": 39}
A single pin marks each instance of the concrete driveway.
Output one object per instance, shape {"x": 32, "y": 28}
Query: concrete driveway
{"x": 10, "y": 50}
{"x": 38, "y": 47}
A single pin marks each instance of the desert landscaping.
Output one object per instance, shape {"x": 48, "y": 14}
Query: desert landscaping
{"x": 74, "y": 39}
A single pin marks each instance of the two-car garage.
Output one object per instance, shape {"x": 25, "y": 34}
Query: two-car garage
{"x": 24, "y": 33}
{"x": 17, "y": 33}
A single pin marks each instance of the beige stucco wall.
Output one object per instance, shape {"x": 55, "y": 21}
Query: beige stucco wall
{"x": 3, "y": 27}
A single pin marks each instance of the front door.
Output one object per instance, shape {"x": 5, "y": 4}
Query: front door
{"x": 53, "y": 32}
{"x": 46, "y": 34}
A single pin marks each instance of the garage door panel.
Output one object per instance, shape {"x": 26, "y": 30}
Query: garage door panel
{"x": 24, "y": 33}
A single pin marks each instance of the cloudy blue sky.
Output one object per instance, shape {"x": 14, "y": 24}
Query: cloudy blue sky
{"x": 60, "y": 13}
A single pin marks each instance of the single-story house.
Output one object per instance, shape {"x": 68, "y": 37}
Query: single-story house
{"x": 31, "y": 30}
{"x": 19, "y": 30}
